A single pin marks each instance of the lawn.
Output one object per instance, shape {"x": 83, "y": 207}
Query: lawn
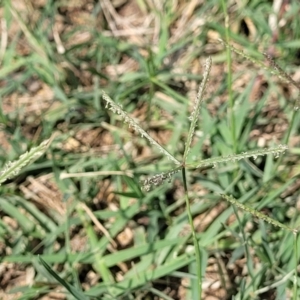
{"x": 149, "y": 149}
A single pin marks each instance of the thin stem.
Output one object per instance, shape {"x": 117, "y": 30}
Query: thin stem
{"x": 247, "y": 252}
{"x": 196, "y": 244}
{"x": 150, "y": 95}
{"x": 295, "y": 283}
{"x": 229, "y": 80}
{"x": 285, "y": 140}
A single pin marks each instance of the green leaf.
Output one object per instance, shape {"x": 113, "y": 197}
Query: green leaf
{"x": 78, "y": 294}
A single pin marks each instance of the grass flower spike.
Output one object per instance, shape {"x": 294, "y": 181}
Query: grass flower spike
{"x": 11, "y": 169}
{"x": 117, "y": 109}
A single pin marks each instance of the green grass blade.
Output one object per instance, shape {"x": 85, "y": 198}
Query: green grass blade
{"x": 73, "y": 291}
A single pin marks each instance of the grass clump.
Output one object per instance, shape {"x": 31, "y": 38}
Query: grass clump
{"x": 94, "y": 218}
{"x": 159, "y": 179}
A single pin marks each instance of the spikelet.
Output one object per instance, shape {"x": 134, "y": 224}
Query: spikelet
{"x": 197, "y": 106}
{"x": 283, "y": 75}
{"x": 277, "y": 70}
{"x": 158, "y": 179}
{"x": 11, "y": 169}
{"x": 117, "y": 109}
{"x": 276, "y": 151}
{"x": 256, "y": 213}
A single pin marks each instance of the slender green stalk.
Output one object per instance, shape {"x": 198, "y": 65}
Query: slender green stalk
{"x": 285, "y": 140}
{"x": 196, "y": 244}
{"x": 150, "y": 96}
{"x": 247, "y": 252}
{"x": 295, "y": 283}
{"x": 99, "y": 263}
{"x": 229, "y": 80}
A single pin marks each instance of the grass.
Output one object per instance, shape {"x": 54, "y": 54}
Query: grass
{"x": 75, "y": 221}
